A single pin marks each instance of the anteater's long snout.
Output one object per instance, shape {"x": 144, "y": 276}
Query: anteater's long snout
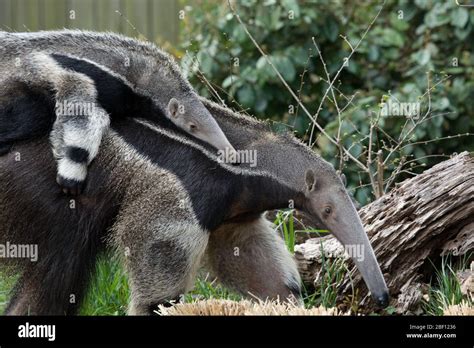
{"x": 382, "y": 300}
{"x": 350, "y": 232}
{"x": 216, "y": 137}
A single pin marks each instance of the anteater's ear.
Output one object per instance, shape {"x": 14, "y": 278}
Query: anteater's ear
{"x": 310, "y": 180}
{"x": 173, "y": 107}
{"x": 343, "y": 179}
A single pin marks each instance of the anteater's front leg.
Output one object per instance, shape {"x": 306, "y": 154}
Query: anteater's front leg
{"x": 252, "y": 259}
{"x": 162, "y": 259}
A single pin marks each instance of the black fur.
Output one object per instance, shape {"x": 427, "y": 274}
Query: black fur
{"x": 25, "y": 113}
{"x": 70, "y": 186}
{"x": 5, "y": 148}
{"x": 118, "y": 99}
{"x": 212, "y": 189}
{"x": 78, "y": 155}
{"x": 69, "y": 233}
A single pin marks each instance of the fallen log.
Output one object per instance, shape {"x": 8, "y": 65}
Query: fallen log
{"x": 422, "y": 219}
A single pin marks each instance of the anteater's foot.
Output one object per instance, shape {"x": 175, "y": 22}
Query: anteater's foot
{"x": 70, "y": 187}
{"x": 71, "y": 176}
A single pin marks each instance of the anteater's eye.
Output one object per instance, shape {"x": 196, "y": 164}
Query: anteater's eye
{"x": 328, "y": 210}
{"x": 192, "y": 127}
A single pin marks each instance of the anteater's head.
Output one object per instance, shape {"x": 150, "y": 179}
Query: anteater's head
{"x": 328, "y": 201}
{"x": 190, "y": 115}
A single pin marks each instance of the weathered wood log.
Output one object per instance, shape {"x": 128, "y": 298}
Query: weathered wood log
{"x": 423, "y": 218}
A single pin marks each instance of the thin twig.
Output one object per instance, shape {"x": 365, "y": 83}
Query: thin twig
{"x": 265, "y": 56}
{"x": 344, "y": 64}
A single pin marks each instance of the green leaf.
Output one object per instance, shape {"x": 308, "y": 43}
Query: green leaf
{"x": 400, "y": 24}
{"x": 298, "y": 55}
{"x": 261, "y": 104}
{"x": 205, "y": 62}
{"x": 229, "y": 80}
{"x": 269, "y": 2}
{"x": 246, "y": 95}
{"x": 437, "y": 16}
{"x": 261, "y": 63}
{"x": 373, "y": 53}
{"x": 424, "y": 57}
{"x": 424, "y": 4}
{"x": 331, "y": 29}
{"x": 391, "y": 37}
{"x": 275, "y": 21}
{"x": 291, "y": 5}
{"x": 285, "y": 67}
{"x": 459, "y": 17}
{"x": 239, "y": 34}
{"x": 463, "y": 33}
{"x": 249, "y": 74}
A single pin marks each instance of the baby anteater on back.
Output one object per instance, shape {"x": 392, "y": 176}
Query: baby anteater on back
{"x": 93, "y": 78}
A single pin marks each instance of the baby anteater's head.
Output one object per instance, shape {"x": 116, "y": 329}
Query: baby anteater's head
{"x": 192, "y": 116}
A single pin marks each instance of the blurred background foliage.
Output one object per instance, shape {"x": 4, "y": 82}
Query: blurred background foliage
{"x": 408, "y": 40}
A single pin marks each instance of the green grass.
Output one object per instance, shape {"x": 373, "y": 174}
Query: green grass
{"x": 6, "y": 284}
{"x": 285, "y": 222}
{"x": 332, "y": 271}
{"x": 445, "y": 289}
{"x": 108, "y": 293}
{"x": 205, "y": 290}
{"x": 331, "y": 277}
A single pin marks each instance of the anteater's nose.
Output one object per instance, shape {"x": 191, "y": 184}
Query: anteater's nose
{"x": 382, "y": 300}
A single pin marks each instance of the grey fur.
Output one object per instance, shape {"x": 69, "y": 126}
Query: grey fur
{"x": 142, "y": 66}
{"x": 287, "y": 158}
{"x": 250, "y": 258}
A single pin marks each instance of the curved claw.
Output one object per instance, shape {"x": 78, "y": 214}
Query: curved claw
{"x": 70, "y": 187}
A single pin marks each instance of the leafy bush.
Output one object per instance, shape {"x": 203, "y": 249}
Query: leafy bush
{"x": 410, "y": 43}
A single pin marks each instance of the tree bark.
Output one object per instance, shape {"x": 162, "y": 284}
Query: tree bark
{"x": 419, "y": 221}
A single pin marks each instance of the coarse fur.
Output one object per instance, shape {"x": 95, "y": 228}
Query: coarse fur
{"x": 293, "y": 158}
{"x": 156, "y": 211}
{"x": 74, "y": 67}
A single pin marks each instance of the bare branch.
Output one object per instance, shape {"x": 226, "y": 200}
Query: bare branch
{"x": 315, "y": 123}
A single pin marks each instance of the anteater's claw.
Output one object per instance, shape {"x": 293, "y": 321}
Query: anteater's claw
{"x": 70, "y": 187}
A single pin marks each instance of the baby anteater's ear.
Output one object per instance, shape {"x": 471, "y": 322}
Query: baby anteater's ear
{"x": 174, "y": 107}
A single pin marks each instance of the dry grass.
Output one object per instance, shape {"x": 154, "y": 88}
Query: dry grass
{"x": 464, "y": 308}
{"x": 233, "y": 308}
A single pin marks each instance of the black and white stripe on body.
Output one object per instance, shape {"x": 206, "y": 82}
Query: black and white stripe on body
{"x": 75, "y": 137}
{"x": 134, "y": 67}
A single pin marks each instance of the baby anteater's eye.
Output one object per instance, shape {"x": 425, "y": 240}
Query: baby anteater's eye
{"x": 328, "y": 210}
{"x": 192, "y": 127}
